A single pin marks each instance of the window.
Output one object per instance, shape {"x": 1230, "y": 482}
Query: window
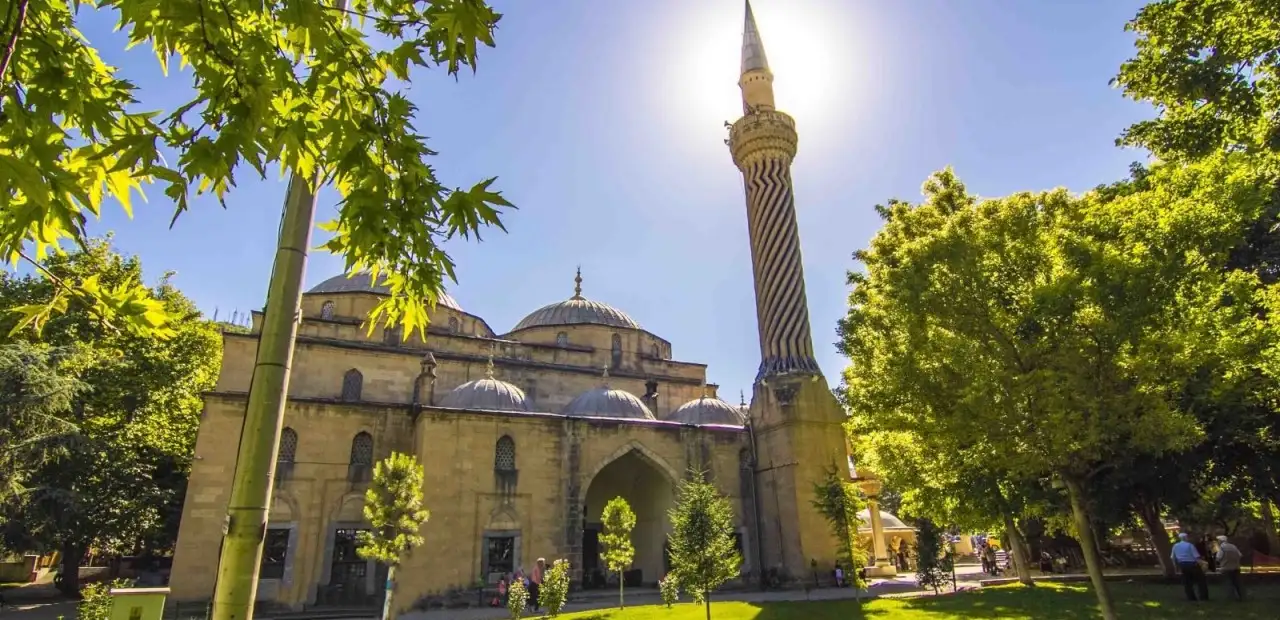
{"x": 326, "y": 310}
{"x": 617, "y": 351}
{"x": 562, "y": 339}
{"x": 504, "y": 454}
{"x": 500, "y": 554}
{"x": 391, "y": 335}
{"x": 275, "y": 550}
{"x": 655, "y": 352}
{"x": 286, "y": 454}
{"x": 361, "y": 458}
{"x": 744, "y": 459}
{"x": 453, "y": 325}
{"x": 352, "y": 384}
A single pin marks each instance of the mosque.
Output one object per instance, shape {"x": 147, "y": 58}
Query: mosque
{"x": 526, "y": 434}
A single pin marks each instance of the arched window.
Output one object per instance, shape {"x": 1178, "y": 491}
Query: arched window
{"x": 288, "y": 446}
{"x": 453, "y": 325}
{"x": 361, "y": 465}
{"x": 504, "y": 454}
{"x": 562, "y": 339}
{"x": 352, "y": 384}
{"x": 617, "y": 350}
{"x": 744, "y": 459}
{"x": 326, "y": 310}
{"x": 656, "y": 353}
{"x": 391, "y": 335}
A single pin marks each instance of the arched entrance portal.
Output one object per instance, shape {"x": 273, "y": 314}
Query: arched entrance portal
{"x": 649, "y": 490}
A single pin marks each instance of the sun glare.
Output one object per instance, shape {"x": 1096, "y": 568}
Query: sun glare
{"x": 809, "y": 56}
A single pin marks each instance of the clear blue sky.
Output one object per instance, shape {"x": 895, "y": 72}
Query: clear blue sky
{"x": 603, "y": 122}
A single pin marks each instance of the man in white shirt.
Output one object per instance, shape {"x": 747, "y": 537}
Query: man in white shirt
{"x": 1188, "y": 561}
{"x": 1229, "y": 565}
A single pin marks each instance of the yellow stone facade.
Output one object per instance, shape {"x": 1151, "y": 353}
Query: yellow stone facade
{"x": 566, "y": 467}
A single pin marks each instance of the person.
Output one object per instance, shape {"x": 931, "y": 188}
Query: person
{"x": 1188, "y": 561}
{"x": 1228, "y": 558}
{"x": 501, "y": 599}
{"x": 839, "y": 576}
{"x": 535, "y": 581}
{"x": 902, "y": 558}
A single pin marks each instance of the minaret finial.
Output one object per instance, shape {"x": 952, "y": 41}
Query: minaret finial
{"x": 742, "y": 399}
{"x": 577, "y": 284}
{"x": 753, "y": 58}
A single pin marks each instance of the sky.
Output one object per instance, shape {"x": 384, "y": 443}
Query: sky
{"x": 604, "y": 124}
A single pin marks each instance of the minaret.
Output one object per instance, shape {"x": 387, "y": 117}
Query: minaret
{"x": 794, "y": 416}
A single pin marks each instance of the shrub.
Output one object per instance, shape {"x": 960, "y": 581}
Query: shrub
{"x": 555, "y": 588}
{"x": 670, "y": 589}
{"x": 517, "y": 598}
{"x": 95, "y": 600}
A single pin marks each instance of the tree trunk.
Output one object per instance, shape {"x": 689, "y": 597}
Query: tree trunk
{"x": 621, "y": 604}
{"x": 1089, "y": 546}
{"x": 386, "y": 596}
{"x": 1269, "y": 524}
{"x": 1149, "y": 512}
{"x": 1019, "y": 550}
{"x": 706, "y": 601}
{"x": 70, "y": 571}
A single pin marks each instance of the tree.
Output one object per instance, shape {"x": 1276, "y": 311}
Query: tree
{"x": 837, "y": 500}
{"x": 701, "y": 539}
{"x": 1060, "y": 327}
{"x": 555, "y": 588}
{"x": 618, "y": 521}
{"x": 1211, "y": 68}
{"x": 294, "y": 84}
{"x": 116, "y": 482}
{"x": 669, "y": 589}
{"x": 517, "y": 598}
{"x": 36, "y": 395}
{"x": 393, "y": 507}
{"x": 934, "y": 559}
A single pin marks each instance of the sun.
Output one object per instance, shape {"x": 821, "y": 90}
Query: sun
{"x": 809, "y": 55}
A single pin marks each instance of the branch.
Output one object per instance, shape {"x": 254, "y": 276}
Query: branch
{"x": 12, "y": 45}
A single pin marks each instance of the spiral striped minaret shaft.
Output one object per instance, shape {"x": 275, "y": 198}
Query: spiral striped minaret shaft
{"x": 763, "y": 144}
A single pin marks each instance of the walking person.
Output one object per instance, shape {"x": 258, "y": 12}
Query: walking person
{"x": 1228, "y": 557}
{"x": 535, "y": 581}
{"x": 1188, "y": 561}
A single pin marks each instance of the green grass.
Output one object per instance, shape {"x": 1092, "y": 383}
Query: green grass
{"x": 1048, "y": 601}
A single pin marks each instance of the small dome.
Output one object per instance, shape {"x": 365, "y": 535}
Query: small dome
{"x": 603, "y": 402}
{"x": 487, "y": 394}
{"x": 707, "y": 410}
{"x": 887, "y": 521}
{"x": 577, "y": 310}
{"x": 362, "y": 282}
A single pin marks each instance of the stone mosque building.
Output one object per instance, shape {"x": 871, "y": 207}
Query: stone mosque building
{"x": 526, "y": 434}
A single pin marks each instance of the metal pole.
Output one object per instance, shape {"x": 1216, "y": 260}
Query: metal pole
{"x": 246, "y": 521}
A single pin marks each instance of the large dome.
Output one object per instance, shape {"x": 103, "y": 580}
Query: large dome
{"x": 603, "y": 402}
{"x": 487, "y": 394}
{"x": 577, "y": 310}
{"x": 887, "y": 521}
{"x": 707, "y": 410}
{"x": 362, "y": 282}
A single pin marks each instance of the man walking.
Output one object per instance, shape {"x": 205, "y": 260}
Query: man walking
{"x": 1229, "y": 565}
{"x": 1188, "y": 561}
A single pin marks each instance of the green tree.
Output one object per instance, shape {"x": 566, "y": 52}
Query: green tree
{"x": 36, "y": 396}
{"x": 294, "y": 84}
{"x": 1060, "y": 327}
{"x": 618, "y": 522}
{"x": 393, "y": 507}
{"x": 117, "y": 482}
{"x": 555, "y": 588}
{"x": 837, "y": 499}
{"x": 669, "y": 589}
{"x": 1211, "y": 69}
{"x": 934, "y": 560}
{"x": 701, "y": 540}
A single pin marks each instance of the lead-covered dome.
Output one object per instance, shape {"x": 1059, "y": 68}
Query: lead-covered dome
{"x": 604, "y": 402}
{"x": 487, "y": 394}
{"x": 887, "y": 521}
{"x": 577, "y": 310}
{"x": 362, "y": 282}
{"x": 707, "y": 410}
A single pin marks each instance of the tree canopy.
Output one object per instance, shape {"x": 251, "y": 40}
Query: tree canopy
{"x": 297, "y": 84}
{"x": 702, "y": 551}
{"x": 117, "y": 481}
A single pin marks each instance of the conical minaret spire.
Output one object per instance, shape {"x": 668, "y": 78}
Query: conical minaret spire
{"x": 756, "y": 80}
{"x": 763, "y": 143}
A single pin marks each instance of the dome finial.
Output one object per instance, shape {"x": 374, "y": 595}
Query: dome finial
{"x": 742, "y": 398}
{"x": 577, "y": 284}
{"x": 606, "y": 376}
{"x": 488, "y": 369}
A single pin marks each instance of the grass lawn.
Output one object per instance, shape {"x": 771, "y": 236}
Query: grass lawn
{"x": 1047, "y": 601}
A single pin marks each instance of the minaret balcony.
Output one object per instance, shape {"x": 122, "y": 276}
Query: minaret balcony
{"x": 763, "y": 134}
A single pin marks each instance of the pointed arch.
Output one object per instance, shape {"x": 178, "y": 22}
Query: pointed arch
{"x": 504, "y": 454}
{"x": 288, "y": 451}
{"x": 327, "y": 310}
{"x": 616, "y": 351}
{"x": 642, "y": 451}
{"x": 352, "y": 385}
